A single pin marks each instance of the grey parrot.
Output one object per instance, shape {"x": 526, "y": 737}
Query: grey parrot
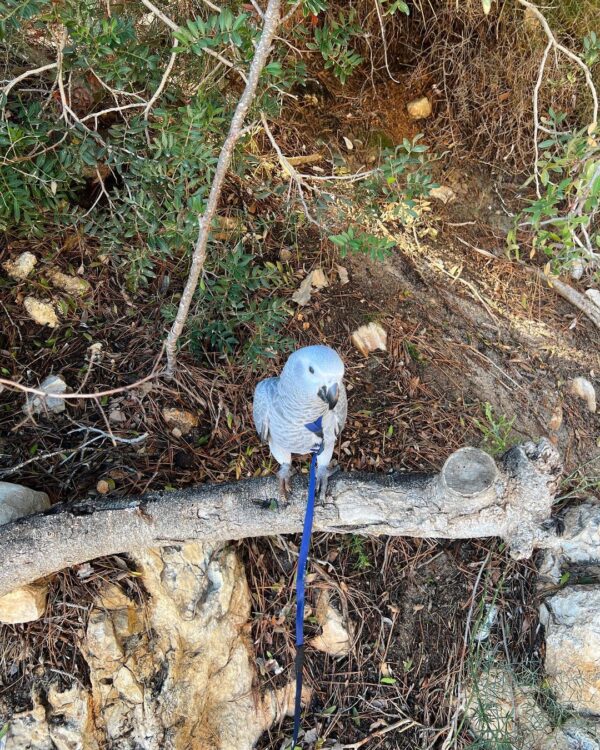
{"x": 287, "y": 410}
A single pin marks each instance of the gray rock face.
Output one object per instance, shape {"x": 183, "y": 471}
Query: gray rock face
{"x": 572, "y": 621}
{"x": 17, "y": 500}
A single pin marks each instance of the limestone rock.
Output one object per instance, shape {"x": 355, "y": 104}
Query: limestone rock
{"x": 61, "y": 721}
{"x": 17, "y": 500}
{"x": 420, "y": 108}
{"x": 502, "y": 711}
{"x": 71, "y": 284}
{"x": 370, "y": 337}
{"x": 20, "y": 268}
{"x": 578, "y": 544}
{"x": 41, "y": 312}
{"x": 443, "y": 193}
{"x": 175, "y": 672}
{"x": 40, "y": 404}
{"x": 181, "y": 420}
{"x": 572, "y": 621}
{"x": 25, "y": 604}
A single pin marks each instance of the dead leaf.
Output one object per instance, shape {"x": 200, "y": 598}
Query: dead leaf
{"x": 302, "y": 295}
{"x": 348, "y": 143}
{"x": 335, "y": 637}
{"x": 443, "y": 193}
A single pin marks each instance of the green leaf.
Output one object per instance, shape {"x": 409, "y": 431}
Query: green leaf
{"x": 388, "y": 680}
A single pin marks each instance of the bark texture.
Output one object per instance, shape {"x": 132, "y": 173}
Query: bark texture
{"x": 473, "y": 496}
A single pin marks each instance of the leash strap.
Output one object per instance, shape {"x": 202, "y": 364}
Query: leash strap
{"x": 300, "y": 580}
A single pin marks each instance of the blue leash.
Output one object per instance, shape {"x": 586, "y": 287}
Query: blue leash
{"x": 300, "y": 578}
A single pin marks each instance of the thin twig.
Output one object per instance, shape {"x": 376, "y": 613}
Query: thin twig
{"x": 164, "y": 79}
{"x": 27, "y": 74}
{"x": 73, "y": 396}
{"x": 271, "y": 21}
{"x": 401, "y": 726}
{"x": 568, "y": 53}
{"x": 384, "y": 41}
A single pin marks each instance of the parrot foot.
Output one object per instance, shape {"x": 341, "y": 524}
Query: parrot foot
{"x": 323, "y": 474}
{"x": 285, "y": 487}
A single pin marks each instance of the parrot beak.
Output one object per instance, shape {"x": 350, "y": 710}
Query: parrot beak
{"x": 330, "y": 395}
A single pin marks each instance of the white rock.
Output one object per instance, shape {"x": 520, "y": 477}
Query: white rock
{"x": 578, "y": 544}
{"x": 370, "y": 337}
{"x": 419, "y": 108}
{"x": 583, "y": 389}
{"x": 335, "y": 636}
{"x": 343, "y": 275}
{"x": 42, "y": 312}
{"x": 572, "y": 621}
{"x": 594, "y": 295}
{"x": 24, "y": 605}
{"x": 70, "y": 284}
{"x": 17, "y": 501}
{"x": 21, "y": 267}
{"x": 41, "y": 404}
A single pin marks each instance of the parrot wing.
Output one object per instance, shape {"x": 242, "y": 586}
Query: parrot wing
{"x": 341, "y": 410}
{"x": 264, "y": 395}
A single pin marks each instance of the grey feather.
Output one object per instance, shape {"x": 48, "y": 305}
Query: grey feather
{"x": 264, "y": 396}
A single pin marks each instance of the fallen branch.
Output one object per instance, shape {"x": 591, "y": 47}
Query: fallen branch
{"x": 578, "y": 300}
{"x": 271, "y": 21}
{"x": 472, "y": 497}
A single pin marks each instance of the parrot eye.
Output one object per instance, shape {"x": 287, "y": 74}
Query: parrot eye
{"x": 311, "y": 369}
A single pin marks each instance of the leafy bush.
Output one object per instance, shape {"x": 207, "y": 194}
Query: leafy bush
{"x": 563, "y": 219}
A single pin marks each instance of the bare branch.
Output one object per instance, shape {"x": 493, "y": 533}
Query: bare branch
{"x": 27, "y": 74}
{"x": 472, "y": 497}
{"x": 271, "y": 21}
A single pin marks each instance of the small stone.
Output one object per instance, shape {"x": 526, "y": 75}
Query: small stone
{"x": 335, "y": 636}
{"x": 443, "y": 193}
{"x": 42, "y": 313}
{"x": 21, "y": 267}
{"x": 583, "y": 389}
{"x": 176, "y": 432}
{"x": 40, "y": 404}
{"x": 179, "y": 419}
{"x": 420, "y": 108}
{"x": 103, "y": 487}
{"x": 343, "y": 275}
{"x": 70, "y": 284}
{"x": 25, "y": 604}
{"x": 17, "y": 500}
{"x": 370, "y": 337}
{"x": 285, "y": 254}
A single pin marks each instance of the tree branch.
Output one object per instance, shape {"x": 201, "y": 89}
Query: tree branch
{"x": 473, "y": 496}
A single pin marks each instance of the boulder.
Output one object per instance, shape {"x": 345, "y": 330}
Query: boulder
{"x": 572, "y": 621}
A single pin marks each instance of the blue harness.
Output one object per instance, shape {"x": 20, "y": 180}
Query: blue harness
{"x": 317, "y": 428}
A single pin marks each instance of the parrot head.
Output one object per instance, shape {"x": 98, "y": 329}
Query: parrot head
{"x": 315, "y": 371}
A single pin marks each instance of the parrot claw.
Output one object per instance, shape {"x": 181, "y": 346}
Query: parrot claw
{"x": 285, "y": 487}
{"x": 323, "y": 474}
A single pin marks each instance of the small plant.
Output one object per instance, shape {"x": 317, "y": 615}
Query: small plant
{"x": 357, "y": 547}
{"x": 496, "y": 430}
{"x": 563, "y": 219}
{"x": 356, "y": 241}
{"x": 591, "y": 49}
{"x": 333, "y": 40}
